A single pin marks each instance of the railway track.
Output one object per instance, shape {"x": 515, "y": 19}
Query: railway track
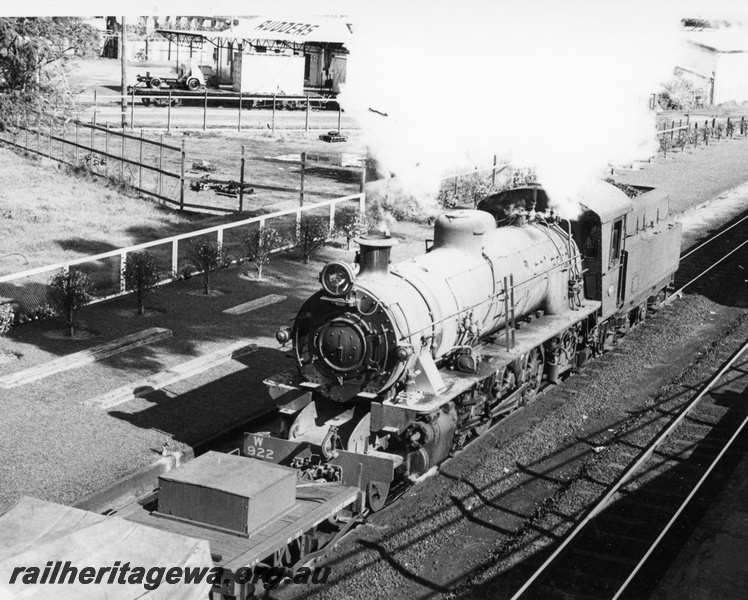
{"x": 618, "y": 548}
{"x": 664, "y": 472}
{"x": 703, "y": 268}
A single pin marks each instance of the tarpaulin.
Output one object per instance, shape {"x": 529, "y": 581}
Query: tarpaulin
{"x": 59, "y": 540}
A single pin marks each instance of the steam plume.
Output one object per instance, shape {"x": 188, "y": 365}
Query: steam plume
{"x": 563, "y": 87}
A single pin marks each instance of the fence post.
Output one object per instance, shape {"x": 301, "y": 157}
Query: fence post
{"x": 181, "y": 180}
{"x": 93, "y": 135}
{"x": 306, "y": 117}
{"x": 340, "y": 116}
{"x": 273, "y": 127}
{"x": 140, "y": 161}
{"x": 672, "y": 132}
{"x": 76, "y": 142}
{"x": 362, "y": 204}
{"x": 205, "y": 110}
{"x": 122, "y": 266}
{"x": 160, "y": 167}
{"x": 132, "y": 110}
{"x": 241, "y": 182}
{"x": 64, "y": 142}
{"x": 239, "y": 126}
{"x": 493, "y": 171}
{"x": 362, "y": 185}
{"x": 174, "y": 258}
{"x": 168, "y": 113}
{"x": 106, "y": 149}
{"x": 96, "y": 107}
{"x": 49, "y": 136}
{"x": 695, "y": 135}
{"x": 303, "y": 168}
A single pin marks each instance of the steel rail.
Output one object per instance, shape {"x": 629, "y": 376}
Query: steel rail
{"x": 628, "y": 473}
{"x": 678, "y": 293}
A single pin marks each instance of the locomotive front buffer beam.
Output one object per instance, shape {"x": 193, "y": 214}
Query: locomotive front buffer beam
{"x": 316, "y": 463}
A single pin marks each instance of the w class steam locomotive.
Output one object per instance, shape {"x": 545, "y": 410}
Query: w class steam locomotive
{"x": 399, "y": 366}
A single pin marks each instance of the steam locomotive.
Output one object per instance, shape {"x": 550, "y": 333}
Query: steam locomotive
{"x": 399, "y": 366}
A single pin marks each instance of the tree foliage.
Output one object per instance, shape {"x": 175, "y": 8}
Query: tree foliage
{"x": 351, "y": 222}
{"x": 312, "y": 234}
{"x": 207, "y": 257}
{"x": 6, "y": 318}
{"x": 67, "y": 292}
{"x": 142, "y": 273}
{"x": 260, "y": 244}
{"x": 34, "y": 55}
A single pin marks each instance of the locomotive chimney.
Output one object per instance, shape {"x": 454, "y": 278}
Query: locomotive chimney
{"x": 374, "y": 257}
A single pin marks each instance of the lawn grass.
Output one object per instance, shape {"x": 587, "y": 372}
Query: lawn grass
{"x": 49, "y": 214}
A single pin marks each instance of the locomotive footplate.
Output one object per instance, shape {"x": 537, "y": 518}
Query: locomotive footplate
{"x": 347, "y": 468}
{"x": 495, "y": 355}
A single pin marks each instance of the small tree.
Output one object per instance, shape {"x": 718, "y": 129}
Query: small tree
{"x": 260, "y": 244}
{"x": 67, "y": 292}
{"x": 351, "y": 223}
{"x": 6, "y": 318}
{"x": 142, "y": 273}
{"x": 311, "y": 235}
{"x": 208, "y": 257}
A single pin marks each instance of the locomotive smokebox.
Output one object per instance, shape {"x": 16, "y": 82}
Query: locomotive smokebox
{"x": 374, "y": 257}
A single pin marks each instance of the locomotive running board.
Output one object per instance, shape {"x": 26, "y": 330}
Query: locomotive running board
{"x": 355, "y": 469}
{"x": 495, "y": 355}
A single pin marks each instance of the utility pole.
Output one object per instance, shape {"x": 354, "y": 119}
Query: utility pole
{"x": 123, "y": 59}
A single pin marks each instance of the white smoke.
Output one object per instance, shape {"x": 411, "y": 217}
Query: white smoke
{"x": 561, "y": 86}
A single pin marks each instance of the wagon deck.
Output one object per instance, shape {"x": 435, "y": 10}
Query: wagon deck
{"x": 315, "y": 502}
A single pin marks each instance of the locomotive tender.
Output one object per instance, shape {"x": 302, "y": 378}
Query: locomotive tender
{"x": 397, "y": 367}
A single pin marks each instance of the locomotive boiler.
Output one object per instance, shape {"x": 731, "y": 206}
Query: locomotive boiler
{"x": 398, "y": 366}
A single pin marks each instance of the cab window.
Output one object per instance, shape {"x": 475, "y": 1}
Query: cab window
{"x": 615, "y": 243}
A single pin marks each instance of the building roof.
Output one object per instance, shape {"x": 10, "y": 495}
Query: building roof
{"x": 721, "y": 40}
{"x": 273, "y": 29}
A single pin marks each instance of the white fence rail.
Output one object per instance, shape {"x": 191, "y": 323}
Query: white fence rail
{"x": 27, "y": 289}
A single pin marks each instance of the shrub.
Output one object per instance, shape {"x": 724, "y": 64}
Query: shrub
{"x": 260, "y": 244}
{"x": 66, "y": 293}
{"x": 665, "y": 144}
{"x": 207, "y": 257}
{"x": 677, "y": 94}
{"x": 351, "y": 223}
{"x": 311, "y": 235}
{"x": 142, "y": 273}
{"x": 6, "y": 318}
{"x": 38, "y": 313}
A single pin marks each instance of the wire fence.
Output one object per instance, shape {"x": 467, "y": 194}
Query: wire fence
{"x": 149, "y": 166}
{"x": 677, "y": 135}
{"x": 160, "y": 108}
{"x": 27, "y": 290}
{"x": 161, "y": 170}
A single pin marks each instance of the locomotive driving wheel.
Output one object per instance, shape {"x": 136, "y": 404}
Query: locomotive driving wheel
{"x": 533, "y": 375}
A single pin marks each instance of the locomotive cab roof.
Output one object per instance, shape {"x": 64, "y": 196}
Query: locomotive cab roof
{"x": 604, "y": 199}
